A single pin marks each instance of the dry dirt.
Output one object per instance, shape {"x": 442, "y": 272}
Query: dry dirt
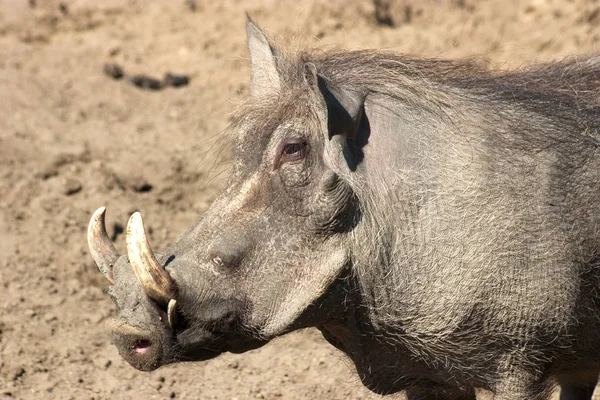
{"x": 72, "y": 139}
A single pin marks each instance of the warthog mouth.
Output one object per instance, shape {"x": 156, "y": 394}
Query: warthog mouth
{"x": 143, "y": 350}
{"x": 151, "y": 348}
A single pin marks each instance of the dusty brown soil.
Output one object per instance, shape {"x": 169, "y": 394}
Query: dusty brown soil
{"x": 72, "y": 139}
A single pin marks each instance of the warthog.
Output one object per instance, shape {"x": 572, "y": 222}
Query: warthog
{"x": 438, "y": 222}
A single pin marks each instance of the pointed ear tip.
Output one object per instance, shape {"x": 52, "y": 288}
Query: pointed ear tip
{"x": 250, "y": 22}
{"x": 255, "y": 33}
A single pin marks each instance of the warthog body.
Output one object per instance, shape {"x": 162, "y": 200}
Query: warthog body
{"x": 438, "y": 222}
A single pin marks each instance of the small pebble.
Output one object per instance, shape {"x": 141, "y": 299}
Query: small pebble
{"x": 175, "y": 80}
{"x": 114, "y": 71}
{"x": 71, "y": 186}
{"x": 17, "y": 373}
{"x": 146, "y": 82}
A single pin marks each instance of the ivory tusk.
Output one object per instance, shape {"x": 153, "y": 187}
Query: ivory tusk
{"x": 172, "y": 313}
{"x": 101, "y": 247}
{"x": 155, "y": 280}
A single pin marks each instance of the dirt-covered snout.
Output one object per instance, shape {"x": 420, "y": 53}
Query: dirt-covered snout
{"x": 141, "y": 332}
{"x": 143, "y": 291}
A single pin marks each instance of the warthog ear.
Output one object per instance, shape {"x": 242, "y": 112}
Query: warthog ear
{"x": 265, "y": 78}
{"x": 344, "y": 107}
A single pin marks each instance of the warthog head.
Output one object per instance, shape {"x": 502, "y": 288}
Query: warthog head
{"x": 271, "y": 249}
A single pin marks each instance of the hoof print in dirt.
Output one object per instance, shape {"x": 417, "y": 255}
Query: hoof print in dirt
{"x": 146, "y": 82}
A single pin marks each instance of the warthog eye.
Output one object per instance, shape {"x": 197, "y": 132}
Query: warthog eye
{"x": 292, "y": 150}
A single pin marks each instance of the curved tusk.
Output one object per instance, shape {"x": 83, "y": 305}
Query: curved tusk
{"x": 101, "y": 247}
{"x": 172, "y": 313}
{"x": 155, "y": 280}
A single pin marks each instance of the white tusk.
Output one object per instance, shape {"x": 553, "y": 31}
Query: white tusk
{"x": 101, "y": 247}
{"x": 155, "y": 280}
{"x": 172, "y": 313}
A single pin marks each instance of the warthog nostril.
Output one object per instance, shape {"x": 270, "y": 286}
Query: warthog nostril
{"x": 142, "y": 346}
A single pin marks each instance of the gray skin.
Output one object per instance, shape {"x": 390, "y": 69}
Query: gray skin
{"x": 438, "y": 222}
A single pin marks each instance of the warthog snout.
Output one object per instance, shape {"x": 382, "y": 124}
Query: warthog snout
{"x": 148, "y": 313}
{"x": 143, "y": 350}
{"x": 160, "y": 319}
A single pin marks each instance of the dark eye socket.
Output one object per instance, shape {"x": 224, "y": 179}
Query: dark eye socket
{"x": 293, "y": 150}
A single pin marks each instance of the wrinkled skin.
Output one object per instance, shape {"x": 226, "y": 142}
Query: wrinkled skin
{"x": 441, "y": 231}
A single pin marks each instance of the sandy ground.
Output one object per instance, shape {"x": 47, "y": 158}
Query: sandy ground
{"x": 72, "y": 139}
